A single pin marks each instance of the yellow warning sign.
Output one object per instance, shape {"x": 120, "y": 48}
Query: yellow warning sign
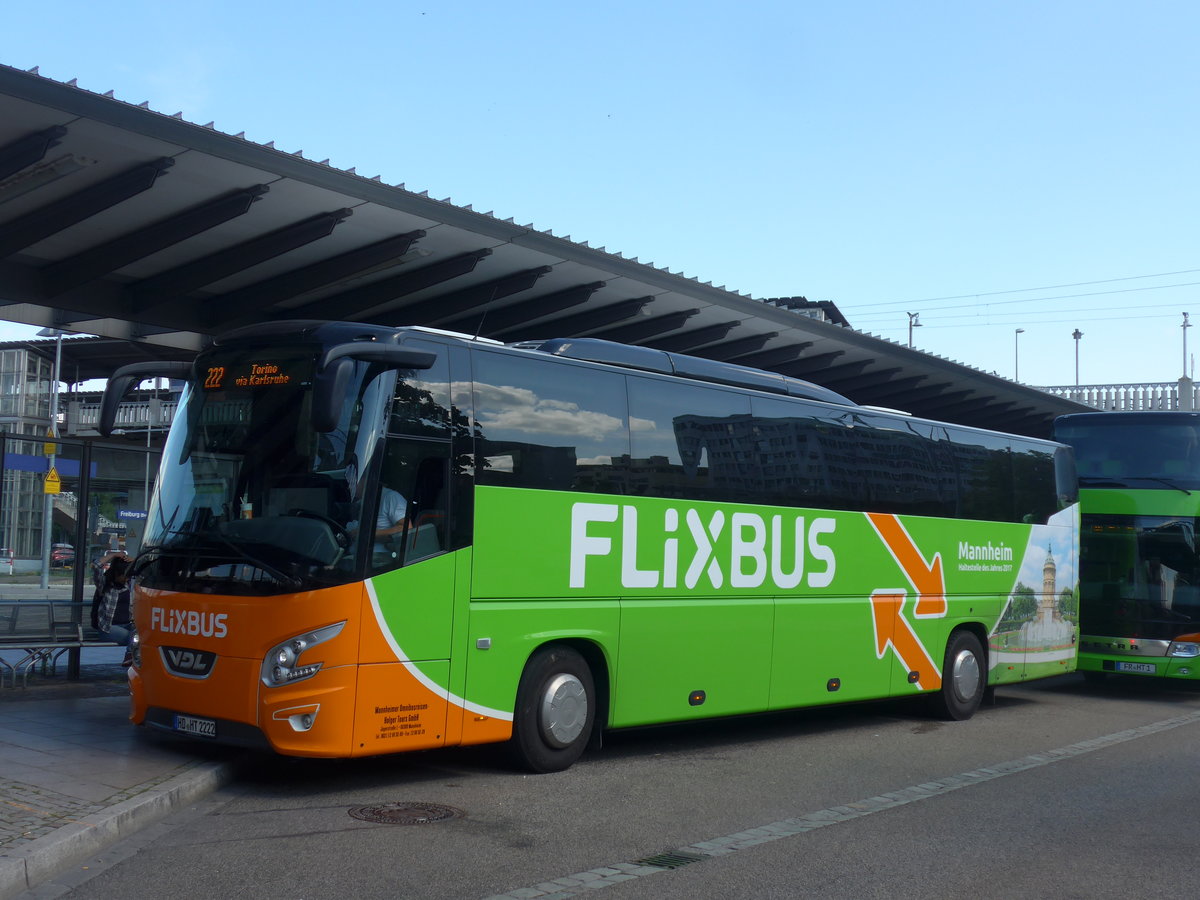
{"x": 53, "y": 483}
{"x": 50, "y": 448}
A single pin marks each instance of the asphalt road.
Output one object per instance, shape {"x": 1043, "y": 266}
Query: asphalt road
{"x": 1060, "y": 789}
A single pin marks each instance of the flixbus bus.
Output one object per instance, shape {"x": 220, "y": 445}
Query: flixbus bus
{"x": 1139, "y": 491}
{"x": 589, "y": 535}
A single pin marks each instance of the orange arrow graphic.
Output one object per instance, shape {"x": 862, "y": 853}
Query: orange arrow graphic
{"x": 892, "y": 629}
{"x": 926, "y": 578}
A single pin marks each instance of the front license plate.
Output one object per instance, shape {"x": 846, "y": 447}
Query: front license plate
{"x": 198, "y": 727}
{"x": 1139, "y": 668}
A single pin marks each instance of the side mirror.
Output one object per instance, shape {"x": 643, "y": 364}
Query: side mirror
{"x": 127, "y": 377}
{"x": 334, "y": 370}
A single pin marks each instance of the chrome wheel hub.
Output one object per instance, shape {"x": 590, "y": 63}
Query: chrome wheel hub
{"x": 965, "y": 675}
{"x": 564, "y": 710}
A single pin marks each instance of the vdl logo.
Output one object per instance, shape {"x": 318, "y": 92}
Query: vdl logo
{"x": 188, "y": 663}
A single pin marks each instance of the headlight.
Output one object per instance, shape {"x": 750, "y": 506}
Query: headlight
{"x": 135, "y": 649}
{"x": 282, "y": 664}
{"x": 1185, "y": 649}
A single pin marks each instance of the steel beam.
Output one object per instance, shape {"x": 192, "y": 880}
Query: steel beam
{"x": 253, "y": 302}
{"x": 729, "y": 351}
{"x": 773, "y": 359}
{"x": 436, "y": 309}
{"x": 644, "y": 330}
{"x": 578, "y": 324}
{"x": 526, "y": 311}
{"x": 97, "y": 261}
{"x": 39, "y": 224}
{"x": 24, "y": 152}
{"x": 356, "y": 301}
{"x": 184, "y": 279}
{"x": 685, "y": 342}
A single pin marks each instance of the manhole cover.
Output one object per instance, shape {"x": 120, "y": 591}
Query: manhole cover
{"x": 406, "y": 813}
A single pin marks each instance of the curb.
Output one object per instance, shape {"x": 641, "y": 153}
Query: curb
{"x": 41, "y": 860}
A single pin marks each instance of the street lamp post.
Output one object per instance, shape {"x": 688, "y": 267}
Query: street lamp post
{"x": 1185, "y": 326}
{"x": 914, "y": 321}
{"x": 1017, "y": 354}
{"x": 1077, "y": 334}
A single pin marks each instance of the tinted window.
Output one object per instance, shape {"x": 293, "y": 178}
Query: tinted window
{"x": 898, "y": 465}
{"x": 412, "y": 505}
{"x": 984, "y": 471}
{"x": 422, "y": 402}
{"x": 1035, "y": 492}
{"x": 689, "y": 441}
{"x": 549, "y": 424}
{"x": 1132, "y": 450}
{"x": 428, "y": 463}
{"x": 803, "y": 456}
{"x": 1140, "y": 575}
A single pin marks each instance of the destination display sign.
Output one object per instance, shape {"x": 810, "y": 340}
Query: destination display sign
{"x": 249, "y": 374}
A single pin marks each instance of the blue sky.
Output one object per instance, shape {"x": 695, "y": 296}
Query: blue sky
{"x": 989, "y": 166}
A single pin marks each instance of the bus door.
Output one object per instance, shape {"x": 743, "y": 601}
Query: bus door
{"x": 409, "y": 602}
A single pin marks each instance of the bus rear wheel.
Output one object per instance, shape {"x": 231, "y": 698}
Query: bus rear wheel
{"x": 964, "y": 678}
{"x": 556, "y": 710}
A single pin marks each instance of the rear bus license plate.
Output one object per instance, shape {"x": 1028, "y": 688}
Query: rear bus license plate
{"x": 198, "y": 727}
{"x": 1139, "y": 668}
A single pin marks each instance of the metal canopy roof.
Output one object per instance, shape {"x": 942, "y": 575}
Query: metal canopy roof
{"x": 120, "y": 221}
{"x": 87, "y": 358}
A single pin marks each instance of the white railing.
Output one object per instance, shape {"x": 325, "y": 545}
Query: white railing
{"x": 1163, "y": 395}
{"x": 138, "y": 415}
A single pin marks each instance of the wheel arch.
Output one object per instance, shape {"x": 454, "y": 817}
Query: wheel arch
{"x": 981, "y": 634}
{"x": 596, "y": 658}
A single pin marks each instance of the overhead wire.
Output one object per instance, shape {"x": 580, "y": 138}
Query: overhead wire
{"x": 1049, "y": 287}
{"x": 1036, "y": 299}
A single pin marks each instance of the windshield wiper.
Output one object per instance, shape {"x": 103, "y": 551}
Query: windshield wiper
{"x": 290, "y": 582}
{"x": 1162, "y": 481}
{"x": 214, "y": 536}
{"x": 1100, "y": 482}
{"x": 1090, "y": 481}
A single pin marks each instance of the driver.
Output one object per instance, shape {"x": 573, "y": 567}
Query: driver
{"x": 390, "y": 515}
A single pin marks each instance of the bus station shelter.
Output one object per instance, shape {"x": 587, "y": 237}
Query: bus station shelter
{"x": 136, "y": 225}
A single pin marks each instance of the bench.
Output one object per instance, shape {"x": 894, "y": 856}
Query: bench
{"x": 41, "y": 631}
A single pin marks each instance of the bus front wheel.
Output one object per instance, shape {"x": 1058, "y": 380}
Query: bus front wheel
{"x": 964, "y": 678}
{"x": 556, "y": 710}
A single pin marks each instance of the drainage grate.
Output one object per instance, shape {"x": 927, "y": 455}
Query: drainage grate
{"x": 672, "y": 860}
{"x": 406, "y": 813}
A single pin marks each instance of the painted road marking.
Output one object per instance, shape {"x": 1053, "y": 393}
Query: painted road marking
{"x": 582, "y": 883}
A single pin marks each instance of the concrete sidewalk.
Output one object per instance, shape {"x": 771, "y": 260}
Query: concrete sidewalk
{"x": 76, "y": 776}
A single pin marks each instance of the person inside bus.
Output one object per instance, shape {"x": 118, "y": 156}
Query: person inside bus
{"x": 111, "y": 611}
{"x": 390, "y": 519}
{"x": 390, "y": 514}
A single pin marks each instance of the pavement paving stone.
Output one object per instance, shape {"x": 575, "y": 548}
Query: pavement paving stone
{"x": 76, "y": 776}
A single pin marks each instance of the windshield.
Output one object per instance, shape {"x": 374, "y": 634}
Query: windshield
{"x": 250, "y": 498}
{"x": 1136, "y": 452}
{"x": 1140, "y": 576}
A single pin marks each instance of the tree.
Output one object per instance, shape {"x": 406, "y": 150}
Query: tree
{"x": 1068, "y": 605}
{"x": 1022, "y": 607}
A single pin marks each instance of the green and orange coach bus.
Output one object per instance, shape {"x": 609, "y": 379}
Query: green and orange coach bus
{"x": 366, "y": 540}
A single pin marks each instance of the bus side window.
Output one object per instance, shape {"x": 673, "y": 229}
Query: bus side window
{"x": 427, "y": 510}
{"x": 557, "y": 428}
